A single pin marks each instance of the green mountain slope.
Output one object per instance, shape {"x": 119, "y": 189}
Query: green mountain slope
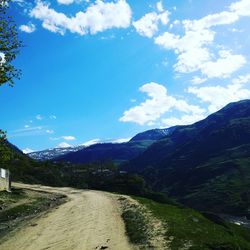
{"x": 25, "y": 169}
{"x": 205, "y": 165}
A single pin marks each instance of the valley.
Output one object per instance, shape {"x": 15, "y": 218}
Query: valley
{"x": 186, "y": 187}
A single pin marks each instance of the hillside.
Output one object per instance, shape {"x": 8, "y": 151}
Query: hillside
{"x": 205, "y": 165}
{"x": 25, "y": 169}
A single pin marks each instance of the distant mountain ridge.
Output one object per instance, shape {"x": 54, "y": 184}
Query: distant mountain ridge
{"x": 153, "y": 134}
{"x": 52, "y": 153}
{"x": 118, "y": 152}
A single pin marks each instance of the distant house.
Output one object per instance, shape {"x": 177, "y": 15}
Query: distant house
{"x": 5, "y": 182}
{"x": 122, "y": 172}
{"x": 106, "y": 172}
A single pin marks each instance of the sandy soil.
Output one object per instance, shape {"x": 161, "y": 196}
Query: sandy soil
{"x": 88, "y": 220}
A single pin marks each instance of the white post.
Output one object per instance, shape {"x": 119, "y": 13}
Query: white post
{"x": 8, "y": 181}
{"x": 5, "y": 181}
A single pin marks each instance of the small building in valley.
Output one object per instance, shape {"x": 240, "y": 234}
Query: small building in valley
{"x": 5, "y": 181}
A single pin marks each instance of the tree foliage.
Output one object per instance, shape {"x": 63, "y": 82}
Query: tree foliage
{"x": 9, "y": 46}
{"x": 5, "y": 150}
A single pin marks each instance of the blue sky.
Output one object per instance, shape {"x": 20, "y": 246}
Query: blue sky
{"x": 106, "y": 70}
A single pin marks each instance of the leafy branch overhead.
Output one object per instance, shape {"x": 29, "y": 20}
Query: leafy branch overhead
{"x": 9, "y": 46}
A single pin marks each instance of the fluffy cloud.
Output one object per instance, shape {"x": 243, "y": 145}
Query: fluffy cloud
{"x": 52, "y": 117}
{"x": 98, "y": 17}
{"x": 241, "y": 8}
{"x": 193, "y": 56}
{"x": 66, "y": 2}
{"x": 198, "y": 80}
{"x": 224, "y": 66}
{"x": 159, "y": 6}
{"x": 189, "y": 48}
{"x": 28, "y": 28}
{"x": 148, "y": 24}
{"x": 63, "y": 145}
{"x": 218, "y": 96}
{"x": 158, "y": 103}
{"x": 39, "y": 117}
{"x": 69, "y": 138}
{"x": 49, "y": 131}
{"x": 193, "y": 48}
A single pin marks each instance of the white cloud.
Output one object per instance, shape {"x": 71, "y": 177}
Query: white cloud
{"x": 26, "y": 126}
{"x": 242, "y": 8}
{"x": 63, "y": 145}
{"x": 27, "y": 131}
{"x": 66, "y": 2}
{"x": 195, "y": 49}
{"x": 98, "y": 17}
{"x": 222, "y": 18}
{"x": 28, "y": 28}
{"x": 69, "y": 138}
{"x": 158, "y": 103}
{"x": 39, "y": 117}
{"x": 242, "y": 79}
{"x": 198, "y": 80}
{"x": 148, "y": 24}
{"x": 52, "y": 117}
{"x": 91, "y": 142}
{"x": 50, "y": 131}
{"x": 159, "y": 6}
{"x": 225, "y": 65}
{"x": 219, "y": 96}
{"x": 27, "y": 150}
{"x": 189, "y": 50}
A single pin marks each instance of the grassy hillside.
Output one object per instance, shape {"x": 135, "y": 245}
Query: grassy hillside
{"x": 189, "y": 229}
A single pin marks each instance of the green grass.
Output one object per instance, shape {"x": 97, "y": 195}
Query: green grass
{"x": 15, "y": 212}
{"x": 136, "y": 226}
{"x": 187, "y": 225}
{"x": 8, "y": 198}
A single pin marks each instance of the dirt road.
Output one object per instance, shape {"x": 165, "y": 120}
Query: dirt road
{"x": 89, "y": 220}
